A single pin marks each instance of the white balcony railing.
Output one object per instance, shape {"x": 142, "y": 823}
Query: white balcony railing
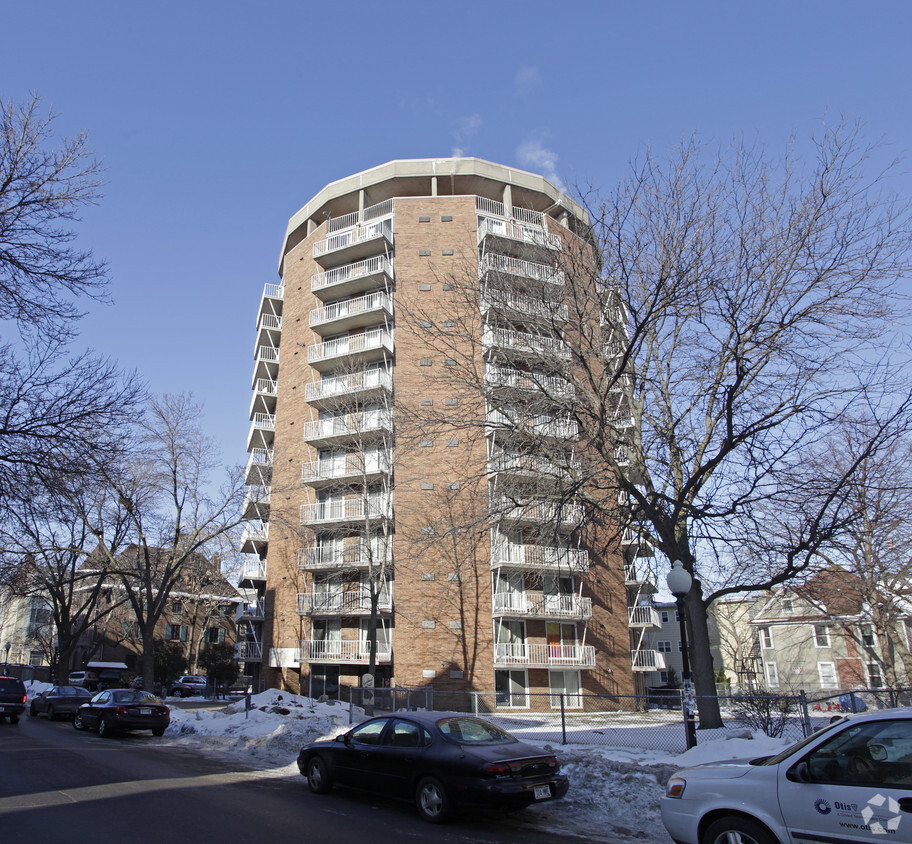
{"x": 254, "y": 569}
{"x": 498, "y": 209}
{"x": 259, "y": 466}
{"x": 535, "y": 557}
{"x": 539, "y": 512}
{"x": 527, "y": 270}
{"x": 269, "y": 354}
{"x": 346, "y": 510}
{"x": 526, "y": 233}
{"x": 375, "y": 340}
{"x": 352, "y": 465}
{"x": 352, "y": 237}
{"x": 522, "y": 653}
{"x": 542, "y": 606}
{"x": 356, "y": 601}
{"x": 272, "y": 322}
{"x": 535, "y": 426}
{"x": 342, "y": 650}
{"x": 379, "y": 265}
{"x": 526, "y": 343}
{"x": 350, "y": 424}
{"x": 273, "y": 291}
{"x": 645, "y": 660}
{"x": 264, "y": 421}
{"x": 266, "y": 386}
{"x": 532, "y": 464}
{"x": 542, "y": 309}
{"x": 644, "y": 617}
{"x": 350, "y": 384}
{"x": 334, "y": 557}
{"x": 380, "y": 301}
{"x": 250, "y": 651}
{"x": 551, "y": 386}
{"x": 255, "y": 535}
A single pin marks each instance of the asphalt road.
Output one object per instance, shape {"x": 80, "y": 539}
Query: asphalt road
{"x": 59, "y": 784}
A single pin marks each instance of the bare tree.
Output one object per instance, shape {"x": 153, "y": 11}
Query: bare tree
{"x": 722, "y": 317}
{"x": 162, "y": 512}
{"x": 43, "y": 186}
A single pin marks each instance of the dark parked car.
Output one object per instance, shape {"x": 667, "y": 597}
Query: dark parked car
{"x": 12, "y": 698}
{"x": 116, "y": 710}
{"x": 189, "y": 684}
{"x": 59, "y": 701}
{"x": 438, "y": 759}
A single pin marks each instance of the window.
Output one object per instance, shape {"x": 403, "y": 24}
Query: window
{"x": 882, "y": 747}
{"x": 821, "y": 636}
{"x": 766, "y": 637}
{"x": 677, "y": 617}
{"x": 566, "y": 683}
{"x": 868, "y": 636}
{"x": 787, "y": 605}
{"x": 663, "y": 647}
{"x": 510, "y": 688}
{"x": 36, "y": 658}
{"x": 875, "y": 675}
{"x": 177, "y": 606}
{"x": 827, "y": 673}
{"x": 215, "y": 635}
{"x": 130, "y": 630}
{"x": 663, "y": 677}
{"x": 665, "y": 616}
{"x": 176, "y": 632}
{"x": 772, "y": 674}
{"x": 369, "y": 733}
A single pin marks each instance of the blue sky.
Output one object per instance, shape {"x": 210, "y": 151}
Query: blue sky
{"x": 217, "y": 121}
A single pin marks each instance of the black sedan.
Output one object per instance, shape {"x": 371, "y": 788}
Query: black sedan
{"x": 59, "y": 701}
{"x": 440, "y": 760}
{"x": 116, "y": 710}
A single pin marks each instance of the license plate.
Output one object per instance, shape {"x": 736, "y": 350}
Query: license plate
{"x": 144, "y": 710}
{"x": 542, "y": 792}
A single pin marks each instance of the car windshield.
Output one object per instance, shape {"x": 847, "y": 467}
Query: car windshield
{"x": 473, "y": 731}
{"x": 134, "y": 697}
{"x": 9, "y": 685}
{"x": 784, "y": 754}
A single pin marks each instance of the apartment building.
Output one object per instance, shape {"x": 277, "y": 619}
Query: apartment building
{"x": 402, "y": 516}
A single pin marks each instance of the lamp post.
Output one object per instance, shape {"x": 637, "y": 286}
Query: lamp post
{"x": 679, "y": 582}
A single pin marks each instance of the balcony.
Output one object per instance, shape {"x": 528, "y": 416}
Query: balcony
{"x": 254, "y": 611}
{"x": 346, "y": 512}
{"x": 517, "y": 307}
{"x": 526, "y": 466}
{"x": 355, "y": 602}
{"x": 264, "y": 395}
{"x": 369, "y": 346}
{"x": 355, "y": 466}
{"x": 254, "y": 569}
{"x": 636, "y": 543}
{"x": 509, "y": 269}
{"x": 640, "y": 578}
{"x": 543, "y": 656}
{"x": 539, "y": 513}
{"x": 254, "y": 541}
{"x": 355, "y": 243}
{"x": 540, "y": 558}
{"x": 644, "y": 660}
{"x": 523, "y": 605}
{"x": 352, "y": 313}
{"x": 334, "y": 558}
{"x": 271, "y": 301}
{"x": 532, "y": 426}
{"x": 524, "y": 344}
{"x": 267, "y": 363}
{"x": 256, "y": 503}
{"x": 363, "y": 385}
{"x": 342, "y": 650}
{"x": 348, "y": 427}
{"x": 551, "y": 387}
{"x": 259, "y": 467}
{"x": 513, "y": 236}
{"x": 354, "y": 278}
{"x": 647, "y": 618}
{"x": 262, "y": 431}
{"x": 250, "y": 651}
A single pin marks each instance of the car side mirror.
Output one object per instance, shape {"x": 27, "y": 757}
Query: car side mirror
{"x": 343, "y": 738}
{"x": 799, "y": 773}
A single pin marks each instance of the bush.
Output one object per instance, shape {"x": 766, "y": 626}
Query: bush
{"x": 769, "y": 713}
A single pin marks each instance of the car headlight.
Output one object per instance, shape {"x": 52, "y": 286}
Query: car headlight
{"x": 675, "y": 787}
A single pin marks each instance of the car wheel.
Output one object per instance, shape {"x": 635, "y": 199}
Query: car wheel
{"x": 432, "y": 800}
{"x": 51, "y": 715}
{"x": 318, "y": 779}
{"x": 78, "y": 723}
{"x": 737, "y": 830}
{"x": 104, "y": 728}
{"x": 158, "y": 731}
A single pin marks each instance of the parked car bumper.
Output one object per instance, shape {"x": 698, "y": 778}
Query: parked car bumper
{"x": 509, "y": 793}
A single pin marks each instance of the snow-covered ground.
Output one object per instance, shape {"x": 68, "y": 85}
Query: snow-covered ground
{"x": 614, "y": 791}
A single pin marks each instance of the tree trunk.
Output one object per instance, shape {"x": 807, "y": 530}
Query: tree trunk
{"x": 148, "y": 657}
{"x": 701, "y": 661}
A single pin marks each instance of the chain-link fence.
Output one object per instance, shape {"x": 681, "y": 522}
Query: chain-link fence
{"x": 646, "y": 722}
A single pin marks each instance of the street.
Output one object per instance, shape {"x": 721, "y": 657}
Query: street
{"x": 54, "y": 780}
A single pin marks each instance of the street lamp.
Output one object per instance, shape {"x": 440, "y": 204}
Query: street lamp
{"x": 679, "y": 582}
